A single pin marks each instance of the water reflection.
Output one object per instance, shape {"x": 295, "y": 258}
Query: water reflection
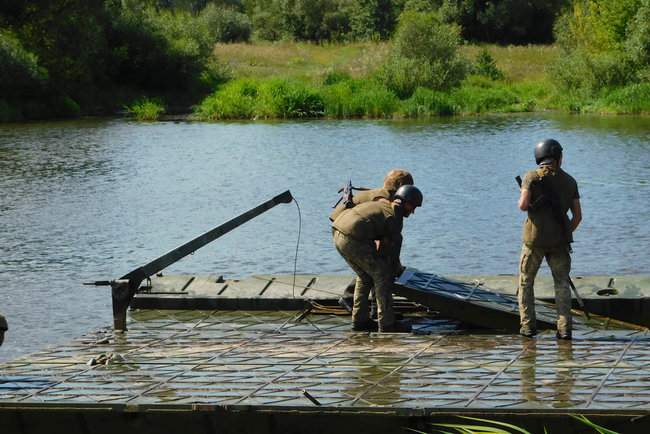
{"x": 550, "y": 379}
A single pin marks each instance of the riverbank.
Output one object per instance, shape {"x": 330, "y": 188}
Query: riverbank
{"x": 300, "y": 80}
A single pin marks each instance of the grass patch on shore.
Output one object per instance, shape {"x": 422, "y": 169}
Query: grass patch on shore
{"x": 146, "y": 109}
{"x": 341, "y": 96}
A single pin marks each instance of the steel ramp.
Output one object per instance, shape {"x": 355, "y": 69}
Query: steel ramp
{"x": 473, "y": 303}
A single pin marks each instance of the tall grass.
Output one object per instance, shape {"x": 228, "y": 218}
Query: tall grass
{"x": 265, "y": 99}
{"x": 487, "y": 426}
{"x": 146, "y": 109}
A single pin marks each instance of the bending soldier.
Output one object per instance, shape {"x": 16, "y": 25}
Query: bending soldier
{"x": 393, "y": 180}
{"x": 355, "y": 231}
{"x": 547, "y": 193}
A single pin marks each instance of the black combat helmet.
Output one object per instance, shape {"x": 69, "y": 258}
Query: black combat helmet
{"x": 409, "y": 193}
{"x": 548, "y": 149}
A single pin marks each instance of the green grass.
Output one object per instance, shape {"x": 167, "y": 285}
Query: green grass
{"x": 487, "y": 426}
{"x": 340, "y": 81}
{"x": 146, "y": 109}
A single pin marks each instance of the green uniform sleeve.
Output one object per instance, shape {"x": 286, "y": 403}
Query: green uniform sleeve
{"x": 529, "y": 178}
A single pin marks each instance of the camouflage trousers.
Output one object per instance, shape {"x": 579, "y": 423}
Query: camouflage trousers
{"x": 559, "y": 261}
{"x": 372, "y": 271}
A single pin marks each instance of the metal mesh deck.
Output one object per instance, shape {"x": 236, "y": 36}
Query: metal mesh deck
{"x": 267, "y": 359}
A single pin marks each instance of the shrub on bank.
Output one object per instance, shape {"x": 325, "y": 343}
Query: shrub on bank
{"x": 482, "y": 95}
{"x": 424, "y": 54}
{"x": 425, "y": 103}
{"x": 359, "y": 99}
{"x": 252, "y": 99}
{"x": 632, "y": 99}
{"x": 146, "y": 109}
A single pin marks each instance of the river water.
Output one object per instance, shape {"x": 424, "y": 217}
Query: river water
{"x": 92, "y": 199}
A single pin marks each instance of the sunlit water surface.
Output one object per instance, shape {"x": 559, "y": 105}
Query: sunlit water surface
{"x": 93, "y": 199}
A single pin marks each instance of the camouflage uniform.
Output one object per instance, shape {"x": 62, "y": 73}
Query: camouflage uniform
{"x": 355, "y": 231}
{"x": 364, "y": 196}
{"x": 544, "y": 236}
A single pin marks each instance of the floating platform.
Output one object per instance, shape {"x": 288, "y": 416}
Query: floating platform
{"x": 285, "y": 372}
{"x": 625, "y": 298}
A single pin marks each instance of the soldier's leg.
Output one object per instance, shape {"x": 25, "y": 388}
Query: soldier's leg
{"x": 377, "y": 268}
{"x": 384, "y": 297}
{"x": 529, "y": 263}
{"x": 355, "y": 254}
{"x": 560, "y": 263}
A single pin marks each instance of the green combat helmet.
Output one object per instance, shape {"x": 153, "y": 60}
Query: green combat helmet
{"x": 3, "y": 328}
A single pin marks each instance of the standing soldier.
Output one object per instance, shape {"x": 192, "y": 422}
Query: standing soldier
{"x": 355, "y": 232}
{"x": 393, "y": 180}
{"x": 547, "y": 193}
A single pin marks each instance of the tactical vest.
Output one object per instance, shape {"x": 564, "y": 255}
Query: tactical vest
{"x": 552, "y": 194}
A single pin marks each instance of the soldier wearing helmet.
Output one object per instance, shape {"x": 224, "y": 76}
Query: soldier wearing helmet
{"x": 547, "y": 194}
{"x": 355, "y": 232}
{"x": 393, "y": 180}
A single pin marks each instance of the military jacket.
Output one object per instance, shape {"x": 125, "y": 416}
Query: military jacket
{"x": 549, "y": 188}
{"x": 376, "y": 220}
{"x": 361, "y": 197}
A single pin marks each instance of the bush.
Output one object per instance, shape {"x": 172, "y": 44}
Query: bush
{"x": 632, "y": 99}
{"x": 587, "y": 74}
{"x": 252, "y": 99}
{"x": 424, "y": 54}
{"x": 333, "y": 77}
{"x": 481, "y": 95}
{"x": 20, "y": 73}
{"x": 637, "y": 43}
{"x": 235, "y": 100}
{"x": 358, "y": 98}
{"x": 281, "y": 98}
{"x": 486, "y": 66}
{"x": 426, "y": 103}
{"x": 146, "y": 109}
{"x": 225, "y": 24}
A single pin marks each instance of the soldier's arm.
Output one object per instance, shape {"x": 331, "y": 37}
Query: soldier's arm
{"x": 576, "y": 214}
{"x": 524, "y": 199}
{"x": 525, "y": 195}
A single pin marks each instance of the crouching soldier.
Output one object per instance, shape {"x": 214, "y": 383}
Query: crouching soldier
{"x": 393, "y": 180}
{"x": 355, "y": 232}
{"x": 547, "y": 193}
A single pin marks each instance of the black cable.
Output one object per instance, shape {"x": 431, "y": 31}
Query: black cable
{"x": 295, "y": 260}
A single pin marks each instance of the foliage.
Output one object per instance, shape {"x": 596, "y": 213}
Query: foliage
{"x": 225, "y": 24}
{"x": 482, "y": 95}
{"x": 425, "y": 54}
{"x": 20, "y": 73}
{"x": 637, "y": 44}
{"x": 606, "y": 45}
{"x": 252, "y": 99}
{"x": 146, "y": 109}
{"x": 488, "y": 426}
{"x": 631, "y": 99}
{"x": 425, "y": 103}
{"x": 359, "y": 99}
{"x": 486, "y": 66}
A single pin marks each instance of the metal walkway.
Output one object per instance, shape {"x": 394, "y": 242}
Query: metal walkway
{"x": 270, "y": 363}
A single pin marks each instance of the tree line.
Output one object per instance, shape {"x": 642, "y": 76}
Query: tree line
{"x": 63, "y": 57}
